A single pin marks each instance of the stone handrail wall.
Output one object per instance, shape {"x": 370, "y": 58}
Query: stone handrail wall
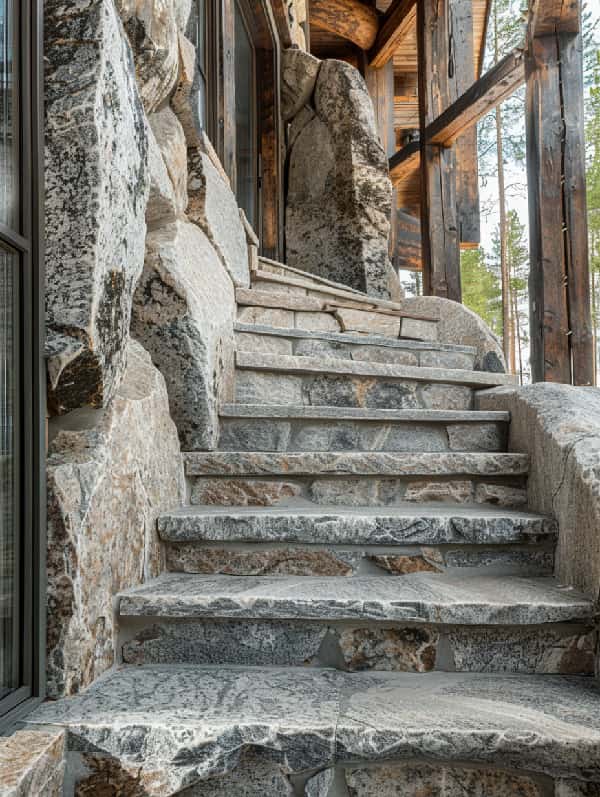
{"x": 559, "y": 427}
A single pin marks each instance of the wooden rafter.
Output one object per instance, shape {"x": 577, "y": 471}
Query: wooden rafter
{"x": 553, "y": 16}
{"x": 484, "y": 95}
{"x": 352, "y": 20}
{"x": 395, "y": 25}
{"x": 405, "y": 163}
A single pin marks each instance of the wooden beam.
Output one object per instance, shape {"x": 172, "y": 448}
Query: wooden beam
{"x": 554, "y": 16}
{"x": 484, "y": 95}
{"x": 380, "y": 83}
{"x": 405, "y": 162}
{"x": 439, "y": 225}
{"x": 559, "y": 293}
{"x": 398, "y": 20}
{"x": 407, "y": 250}
{"x": 350, "y": 19}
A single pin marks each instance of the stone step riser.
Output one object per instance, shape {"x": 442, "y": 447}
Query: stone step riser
{"x": 498, "y": 491}
{"x": 344, "y": 390}
{"x": 280, "y": 434}
{"x": 561, "y": 648}
{"x": 316, "y": 347}
{"x": 254, "y": 559}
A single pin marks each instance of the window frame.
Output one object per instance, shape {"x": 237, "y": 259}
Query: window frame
{"x": 27, "y": 241}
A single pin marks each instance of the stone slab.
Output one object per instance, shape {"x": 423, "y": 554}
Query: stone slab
{"x": 186, "y": 723}
{"x": 363, "y": 340}
{"x": 360, "y": 414}
{"x": 371, "y": 322}
{"x": 32, "y": 764}
{"x": 286, "y": 364}
{"x": 363, "y": 463}
{"x": 451, "y": 598}
{"x": 430, "y": 525}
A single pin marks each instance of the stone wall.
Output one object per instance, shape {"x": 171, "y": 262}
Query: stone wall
{"x": 559, "y": 427}
{"x": 144, "y": 238}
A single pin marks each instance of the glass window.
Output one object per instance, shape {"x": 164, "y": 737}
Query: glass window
{"x": 9, "y": 139}
{"x": 197, "y": 34}
{"x": 245, "y": 126}
{"x": 9, "y": 435}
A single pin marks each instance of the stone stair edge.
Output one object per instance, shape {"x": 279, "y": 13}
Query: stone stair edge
{"x": 299, "y": 364}
{"x": 353, "y": 338}
{"x": 284, "y": 411}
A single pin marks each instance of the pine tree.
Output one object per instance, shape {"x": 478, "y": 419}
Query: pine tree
{"x": 481, "y": 288}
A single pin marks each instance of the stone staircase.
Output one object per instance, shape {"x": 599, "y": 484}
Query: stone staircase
{"x": 356, "y": 601}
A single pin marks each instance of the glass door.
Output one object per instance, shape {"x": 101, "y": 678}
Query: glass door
{"x": 246, "y": 149}
{"x": 21, "y": 386}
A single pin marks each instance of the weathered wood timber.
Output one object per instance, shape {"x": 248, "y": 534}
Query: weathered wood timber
{"x": 226, "y": 96}
{"x": 271, "y": 217}
{"x": 350, "y": 19}
{"x": 380, "y": 83}
{"x": 439, "y": 224}
{"x": 554, "y": 16}
{"x": 280, "y": 14}
{"x": 398, "y": 21}
{"x": 407, "y": 251}
{"x": 485, "y": 94}
{"x": 405, "y": 161}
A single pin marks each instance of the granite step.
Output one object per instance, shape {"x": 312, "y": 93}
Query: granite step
{"x": 250, "y": 727}
{"x": 356, "y": 478}
{"x": 252, "y": 427}
{"x": 456, "y": 621}
{"x": 338, "y": 542}
{"x": 351, "y": 346}
{"x": 317, "y": 381}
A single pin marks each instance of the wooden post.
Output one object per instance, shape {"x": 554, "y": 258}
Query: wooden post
{"x": 380, "y": 83}
{"x": 226, "y": 95}
{"x": 439, "y": 223}
{"x": 561, "y": 327}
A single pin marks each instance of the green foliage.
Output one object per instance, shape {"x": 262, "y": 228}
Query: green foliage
{"x": 481, "y": 288}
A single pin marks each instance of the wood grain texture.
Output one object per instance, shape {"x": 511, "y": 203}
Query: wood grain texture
{"x": 554, "y": 16}
{"x": 350, "y": 19}
{"x": 396, "y": 25}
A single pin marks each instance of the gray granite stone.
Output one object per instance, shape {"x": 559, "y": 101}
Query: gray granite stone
{"x": 178, "y": 725}
{"x": 526, "y": 558}
{"x": 152, "y": 31}
{"x": 313, "y": 561}
{"x": 162, "y": 206}
{"x": 445, "y": 397}
{"x": 233, "y": 642}
{"x": 186, "y": 98}
{"x": 281, "y": 363}
{"x": 315, "y": 322}
{"x": 254, "y": 776}
{"x": 248, "y": 341}
{"x": 109, "y": 475}
{"x": 459, "y": 325}
{"x": 423, "y": 780}
{"x": 338, "y": 216}
{"x": 476, "y": 437}
{"x": 359, "y": 414}
{"x": 299, "y": 72}
{"x": 355, "y": 463}
{"x": 560, "y": 427}
{"x": 576, "y": 788}
{"x": 32, "y": 764}
{"x": 501, "y": 495}
{"x": 95, "y": 205}
{"x": 320, "y": 784}
{"x": 562, "y": 649}
{"x": 457, "y": 491}
{"x": 517, "y": 722}
{"x": 400, "y": 564}
{"x": 272, "y": 316}
{"x": 214, "y": 208}
{"x": 184, "y": 724}
{"x": 171, "y": 141}
{"x": 183, "y": 314}
{"x": 398, "y": 525}
{"x": 451, "y": 598}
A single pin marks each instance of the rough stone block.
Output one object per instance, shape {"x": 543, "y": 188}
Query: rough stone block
{"x": 162, "y": 205}
{"x": 242, "y": 492}
{"x": 185, "y": 99}
{"x": 419, "y": 330}
{"x": 266, "y": 316}
{"x": 299, "y": 72}
{"x": 183, "y": 314}
{"x": 32, "y": 764}
{"x": 171, "y": 141}
{"x": 476, "y": 437}
{"x": 400, "y": 649}
{"x": 109, "y": 476}
{"x": 315, "y": 322}
{"x": 96, "y": 191}
{"x": 370, "y": 322}
{"x": 213, "y": 207}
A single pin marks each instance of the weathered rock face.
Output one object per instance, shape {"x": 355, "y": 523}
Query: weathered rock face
{"x": 183, "y": 314}
{"x": 213, "y": 207}
{"x": 151, "y": 26}
{"x": 162, "y": 205}
{"x": 457, "y": 324}
{"x": 96, "y": 192}
{"x": 171, "y": 141}
{"x": 338, "y": 215}
{"x": 559, "y": 426}
{"x": 32, "y": 763}
{"x": 299, "y": 72}
{"x": 107, "y": 482}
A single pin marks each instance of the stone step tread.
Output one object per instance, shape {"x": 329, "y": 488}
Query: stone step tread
{"x": 285, "y": 363}
{"x": 449, "y": 598}
{"x": 318, "y": 525}
{"x": 353, "y": 338}
{"x": 353, "y": 463}
{"x": 315, "y": 718}
{"x": 361, "y": 414}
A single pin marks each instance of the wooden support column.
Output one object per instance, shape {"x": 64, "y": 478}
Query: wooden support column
{"x": 561, "y": 328}
{"x": 439, "y": 223}
{"x": 462, "y": 55}
{"x": 380, "y": 83}
{"x": 225, "y": 145}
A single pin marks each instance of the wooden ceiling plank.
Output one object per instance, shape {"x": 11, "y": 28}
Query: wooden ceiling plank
{"x": 352, "y": 20}
{"x": 398, "y": 21}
